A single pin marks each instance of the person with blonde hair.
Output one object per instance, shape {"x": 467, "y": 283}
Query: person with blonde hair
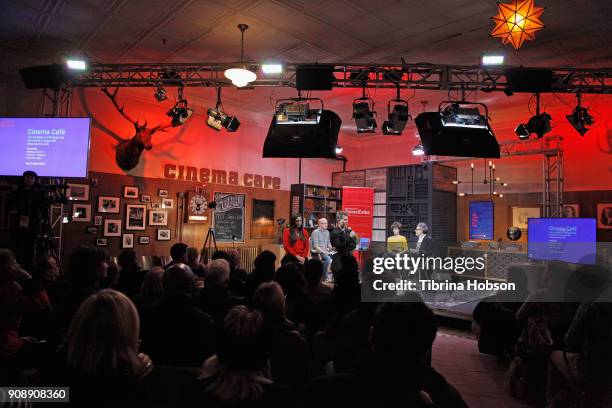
{"x": 237, "y": 375}
{"x": 102, "y": 363}
{"x": 152, "y": 287}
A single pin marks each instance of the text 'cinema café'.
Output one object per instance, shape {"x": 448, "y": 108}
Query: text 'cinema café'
{"x": 399, "y": 203}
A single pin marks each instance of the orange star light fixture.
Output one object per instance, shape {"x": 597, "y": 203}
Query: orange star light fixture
{"x": 517, "y": 22}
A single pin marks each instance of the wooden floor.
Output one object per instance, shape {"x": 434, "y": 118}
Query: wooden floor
{"x": 478, "y": 377}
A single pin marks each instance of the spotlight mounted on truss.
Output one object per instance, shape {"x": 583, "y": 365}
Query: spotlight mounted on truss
{"x": 580, "y": 117}
{"x": 398, "y": 116}
{"x": 217, "y": 118}
{"x": 160, "y": 93}
{"x": 180, "y": 112}
{"x": 364, "y": 113}
{"x": 539, "y": 124}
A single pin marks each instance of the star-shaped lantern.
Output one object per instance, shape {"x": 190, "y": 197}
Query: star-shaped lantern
{"x": 517, "y": 22}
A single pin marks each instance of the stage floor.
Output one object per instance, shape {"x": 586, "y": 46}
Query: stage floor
{"x": 458, "y": 305}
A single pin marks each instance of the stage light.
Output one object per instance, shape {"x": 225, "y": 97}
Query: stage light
{"x": 398, "y": 116}
{"x": 517, "y": 22}
{"x": 580, "y": 118}
{"x": 339, "y": 149}
{"x": 538, "y": 125}
{"x": 492, "y": 59}
{"x": 240, "y": 76}
{"x": 454, "y": 115}
{"x": 418, "y": 150}
{"x": 272, "y": 68}
{"x": 76, "y": 64}
{"x": 218, "y": 119}
{"x": 160, "y": 94}
{"x": 180, "y": 113}
{"x": 363, "y": 113}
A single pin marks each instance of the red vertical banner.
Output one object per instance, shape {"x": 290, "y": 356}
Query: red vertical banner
{"x": 358, "y": 204}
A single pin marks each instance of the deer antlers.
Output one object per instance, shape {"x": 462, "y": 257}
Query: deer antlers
{"x": 121, "y": 110}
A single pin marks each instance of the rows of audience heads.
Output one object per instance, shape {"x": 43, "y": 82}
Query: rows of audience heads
{"x": 204, "y": 332}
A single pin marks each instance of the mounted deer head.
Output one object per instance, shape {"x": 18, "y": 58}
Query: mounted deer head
{"x": 128, "y": 151}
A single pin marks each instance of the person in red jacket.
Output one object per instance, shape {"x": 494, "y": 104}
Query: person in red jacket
{"x": 295, "y": 241}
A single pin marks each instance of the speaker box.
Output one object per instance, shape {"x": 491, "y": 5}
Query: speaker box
{"x": 304, "y": 140}
{"x": 532, "y": 80}
{"x": 44, "y": 76}
{"x": 438, "y": 139}
{"x": 314, "y": 77}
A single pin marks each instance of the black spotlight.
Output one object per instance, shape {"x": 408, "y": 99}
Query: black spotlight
{"x": 580, "y": 118}
{"x": 538, "y": 125}
{"x": 363, "y": 113}
{"x": 398, "y": 116}
{"x": 212, "y": 205}
{"x": 218, "y": 119}
{"x": 180, "y": 113}
{"x": 160, "y": 94}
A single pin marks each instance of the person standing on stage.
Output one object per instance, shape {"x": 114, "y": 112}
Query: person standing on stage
{"x": 343, "y": 239}
{"x": 422, "y": 243}
{"x": 321, "y": 246}
{"x": 295, "y": 241}
{"x": 396, "y": 243}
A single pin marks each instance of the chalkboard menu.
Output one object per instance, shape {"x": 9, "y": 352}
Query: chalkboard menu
{"x": 229, "y": 217}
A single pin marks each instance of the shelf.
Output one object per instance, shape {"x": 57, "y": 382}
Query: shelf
{"x": 315, "y": 197}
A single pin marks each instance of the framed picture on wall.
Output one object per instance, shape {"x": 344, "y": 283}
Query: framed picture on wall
{"x": 162, "y": 193}
{"x": 145, "y": 198}
{"x": 262, "y": 220}
{"x": 604, "y": 215}
{"x": 92, "y": 230}
{"x": 127, "y": 241}
{"x": 77, "y": 192}
{"x": 158, "y": 217}
{"x": 107, "y": 204}
{"x": 98, "y": 220}
{"x": 81, "y": 212}
{"x": 167, "y": 203}
{"x": 112, "y": 228}
{"x": 101, "y": 242}
{"x": 135, "y": 216}
{"x": 520, "y": 215}
{"x": 571, "y": 211}
{"x": 143, "y": 240}
{"x": 163, "y": 235}
{"x": 155, "y": 204}
{"x": 130, "y": 192}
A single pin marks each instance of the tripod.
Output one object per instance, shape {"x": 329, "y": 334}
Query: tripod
{"x": 44, "y": 244}
{"x": 208, "y": 243}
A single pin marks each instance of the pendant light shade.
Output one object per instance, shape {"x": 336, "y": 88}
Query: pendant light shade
{"x": 240, "y": 75}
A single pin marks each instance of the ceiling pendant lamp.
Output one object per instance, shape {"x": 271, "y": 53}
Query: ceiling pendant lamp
{"x": 240, "y": 76}
{"x": 517, "y": 21}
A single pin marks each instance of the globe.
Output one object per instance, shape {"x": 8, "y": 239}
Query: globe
{"x": 513, "y": 233}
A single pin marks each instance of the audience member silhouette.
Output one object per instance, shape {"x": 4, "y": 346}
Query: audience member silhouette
{"x": 263, "y": 272}
{"x": 178, "y": 252}
{"x": 152, "y": 287}
{"x": 193, "y": 261}
{"x": 237, "y": 276}
{"x": 130, "y": 274}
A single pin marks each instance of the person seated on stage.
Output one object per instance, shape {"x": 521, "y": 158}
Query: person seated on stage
{"x": 422, "y": 243}
{"x": 174, "y": 331}
{"x": 343, "y": 239}
{"x": 396, "y": 243}
{"x": 295, "y": 241}
{"x": 178, "y": 252}
{"x": 394, "y": 371}
{"x": 321, "y": 246}
{"x": 237, "y": 375}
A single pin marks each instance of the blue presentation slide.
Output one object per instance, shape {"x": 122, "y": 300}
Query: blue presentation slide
{"x": 572, "y": 240}
{"x": 55, "y": 147}
{"x": 481, "y": 220}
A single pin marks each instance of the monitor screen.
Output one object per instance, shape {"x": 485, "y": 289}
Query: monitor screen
{"x": 481, "y": 220}
{"x": 52, "y": 147}
{"x": 570, "y": 240}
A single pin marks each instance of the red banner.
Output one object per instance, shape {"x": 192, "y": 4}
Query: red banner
{"x": 358, "y": 204}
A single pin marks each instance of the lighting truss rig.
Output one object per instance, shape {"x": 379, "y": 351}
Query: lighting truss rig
{"x": 413, "y": 76}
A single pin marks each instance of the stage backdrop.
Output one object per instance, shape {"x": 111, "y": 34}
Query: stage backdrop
{"x": 358, "y": 203}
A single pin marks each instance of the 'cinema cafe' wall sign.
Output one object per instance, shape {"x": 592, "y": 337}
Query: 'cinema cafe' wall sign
{"x": 203, "y": 175}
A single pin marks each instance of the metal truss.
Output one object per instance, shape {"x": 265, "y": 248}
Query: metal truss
{"x": 413, "y": 76}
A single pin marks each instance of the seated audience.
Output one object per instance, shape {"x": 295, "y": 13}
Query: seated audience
{"x": 178, "y": 252}
{"x": 236, "y": 376}
{"x": 237, "y": 276}
{"x": 346, "y": 295}
{"x": 130, "y": 274}
{"x": 319, "y": 294}
{"x": 152, "y": 287}
{"x": 215, "y": 298}
{"x": 37, "y": 313}
{"x": 395, "y": 371}
{"x": 299, "y": 310}
{"x": 289, "y": 350}
{"x": 193, "y": 261}
{"x": 174, "y": 331}
{"x": 100, "y": 362}
{"x": 265, "y": 264}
